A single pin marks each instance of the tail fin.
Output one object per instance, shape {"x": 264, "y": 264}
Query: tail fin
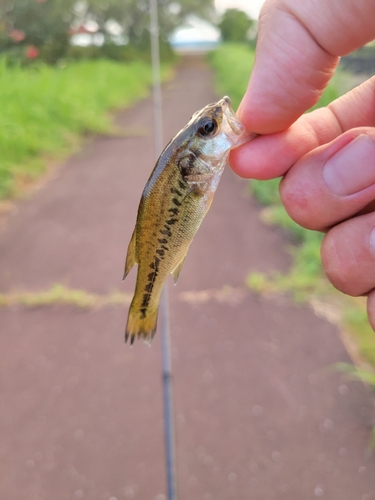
{"x": 141, "y": 324}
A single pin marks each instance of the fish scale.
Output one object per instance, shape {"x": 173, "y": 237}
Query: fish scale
{"x": 174, "y": 202}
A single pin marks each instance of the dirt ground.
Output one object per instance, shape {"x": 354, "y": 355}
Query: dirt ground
{"x": 259, "y": 414}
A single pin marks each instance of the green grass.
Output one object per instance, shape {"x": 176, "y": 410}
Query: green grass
{"x": 356, "y": 319}
{"x": 59, "y": 295}
{"x": 355, "y": 373}
{"x": 232, "y": 64}
{"x": 305, "y": 280}
{"x": 44, "y": 109}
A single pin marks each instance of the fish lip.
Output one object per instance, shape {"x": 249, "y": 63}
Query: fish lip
{"x": 240, "y": 134}
{"x": 237, "y": 127}
{"x": 226, "y": 105}
{"x": 227, "y": 101}
{"x": 235, "y": 124}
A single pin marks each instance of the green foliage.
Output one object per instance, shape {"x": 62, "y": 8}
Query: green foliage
{"x": 356, "y": 319}
{"x": 39, "y": 23}
{"x": 232, "y": 64}
{"x": 133, "y": 16}
{"x": 46, "y": 24}
{"x": 304, "y": 279}
{"x": 234, "y": 26}
{"x": 356, "y": 373}
{"x": 330, "y": 94}
{"x": 266, "y": 192}
{"x": 122, "y": 53}
{"x": 43, "y": 109}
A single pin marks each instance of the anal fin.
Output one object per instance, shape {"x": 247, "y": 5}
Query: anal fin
{"x": 130, "y": 256}
{"x": 176, "y": 271}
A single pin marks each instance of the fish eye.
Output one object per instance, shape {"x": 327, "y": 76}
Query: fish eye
{"x": 208, "y": 128}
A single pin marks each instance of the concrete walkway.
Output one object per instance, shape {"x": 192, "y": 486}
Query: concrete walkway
{"x": 258, "y": 415}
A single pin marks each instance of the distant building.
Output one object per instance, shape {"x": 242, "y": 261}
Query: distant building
{"x": 88, "y": 34}
{"x": 196, "y": 36}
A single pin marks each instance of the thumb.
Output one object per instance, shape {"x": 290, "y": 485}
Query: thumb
{"x": 298, "y": 49}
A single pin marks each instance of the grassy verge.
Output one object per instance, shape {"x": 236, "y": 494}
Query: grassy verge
{"x": 60, "y": 295}
{"x": 45, "y": 109}
{"x": 305, "y": 279}
{"x": 232, "y": 64}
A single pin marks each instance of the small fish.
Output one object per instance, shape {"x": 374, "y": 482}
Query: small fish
{"x": 174, "y": 202}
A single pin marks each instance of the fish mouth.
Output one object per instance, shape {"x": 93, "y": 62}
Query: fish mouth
{"x": 236, "y": 125}
{"x": 226, "y": 104}
{"x": 231, "y": 117}
{"x": 225, "y": 101}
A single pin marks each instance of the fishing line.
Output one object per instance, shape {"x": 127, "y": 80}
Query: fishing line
{"x": 169, "y": 431}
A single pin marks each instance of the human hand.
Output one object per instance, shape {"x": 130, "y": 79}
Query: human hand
{"x": 327, "y": 157}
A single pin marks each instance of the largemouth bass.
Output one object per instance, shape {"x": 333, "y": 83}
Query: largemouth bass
{"x": 174, "y": 202}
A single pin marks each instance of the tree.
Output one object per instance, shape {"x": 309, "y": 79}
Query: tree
{"x": 45, "y": 24}
{"x": 36, "y": 23}
{"x": 235, "y": 25}
{"x": 133, "y": 16}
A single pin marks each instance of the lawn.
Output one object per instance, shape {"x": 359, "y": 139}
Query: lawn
{"x": 45, "y": 110}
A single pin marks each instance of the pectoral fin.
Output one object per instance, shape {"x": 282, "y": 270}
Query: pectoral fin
{"x": 176, "y": 271}
{"x": 130, "y": 257}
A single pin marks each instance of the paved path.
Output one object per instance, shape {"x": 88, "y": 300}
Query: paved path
{"x": 258, "y": 415}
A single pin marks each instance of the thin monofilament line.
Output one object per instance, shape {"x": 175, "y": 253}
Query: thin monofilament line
{"x": 169, "y": 431}
{"x": 156, "y": 86}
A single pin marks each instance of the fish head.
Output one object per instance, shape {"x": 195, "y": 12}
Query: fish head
{"x": 214, "y": 131}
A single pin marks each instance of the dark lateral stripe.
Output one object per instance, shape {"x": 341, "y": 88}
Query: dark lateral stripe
{"x": 143, "y": 312}
{"x": 145, "y": 300}
{"x": 171, "y": 221}
{"x": 150, "y": 285}
{"x": 176, "y": 202}
{"x": 174, "y": 190}
{"x": 166, "y": 231}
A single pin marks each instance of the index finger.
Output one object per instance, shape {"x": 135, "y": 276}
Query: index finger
{"x": 270, "y": 156}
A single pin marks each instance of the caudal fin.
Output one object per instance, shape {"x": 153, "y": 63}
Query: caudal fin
{"x": 141, "y": 325}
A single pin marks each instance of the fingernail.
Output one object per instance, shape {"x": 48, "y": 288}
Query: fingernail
{"x": 352, "y": 168}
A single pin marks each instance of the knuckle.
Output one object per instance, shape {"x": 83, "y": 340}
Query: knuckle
{"x": 345, "y": 262}
{"x": 335, "y": 267}
{"x": 301, "y": 206}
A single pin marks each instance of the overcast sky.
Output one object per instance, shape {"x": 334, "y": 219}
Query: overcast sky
{"x": 199, "y": 30}
{"x": 251, "y": 7}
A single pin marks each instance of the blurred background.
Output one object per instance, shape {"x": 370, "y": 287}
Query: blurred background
{"x": 273, "y": 369}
